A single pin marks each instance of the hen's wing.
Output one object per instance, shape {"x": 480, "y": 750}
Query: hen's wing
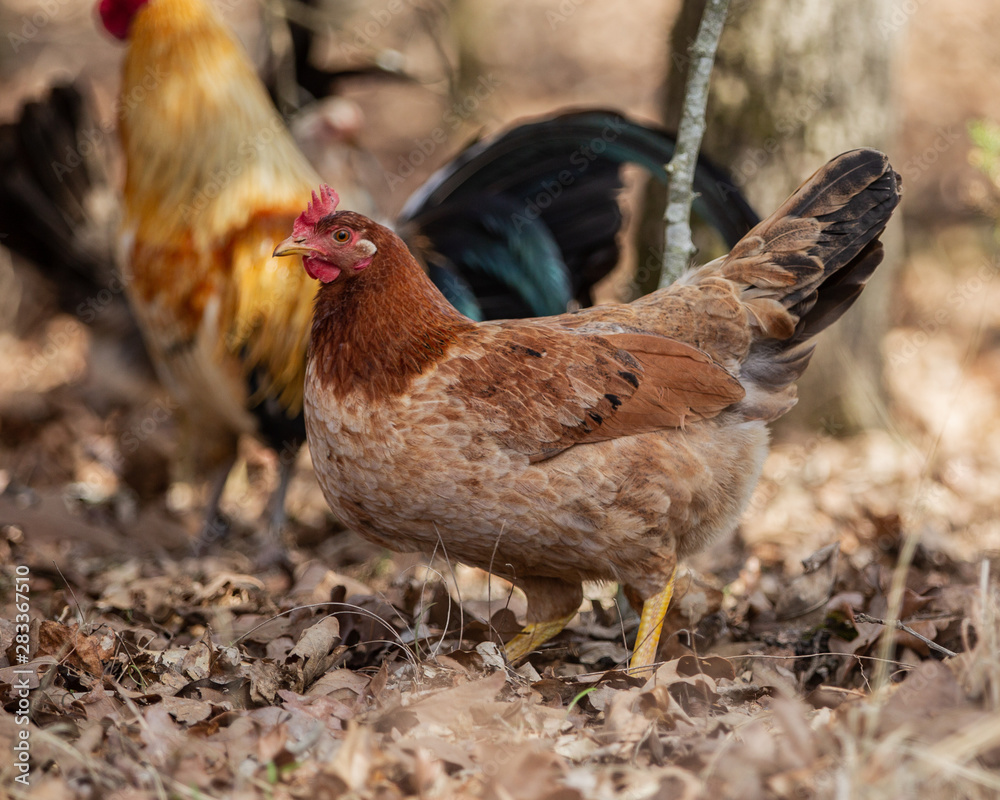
{"x": 540, "y": 389}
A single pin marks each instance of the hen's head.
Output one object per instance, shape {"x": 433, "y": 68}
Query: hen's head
{"x": 332, "y": 243}
{"x": 117, "y": 15}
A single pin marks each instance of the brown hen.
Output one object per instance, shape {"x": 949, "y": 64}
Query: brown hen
{"x": 600, "y": 445}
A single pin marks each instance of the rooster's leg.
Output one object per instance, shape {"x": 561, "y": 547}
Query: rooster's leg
{"x": 654, "y": 611}
{"x": 272, "y": 552}
{"x": 215, "y": 525}
{"x": 552, "y": 603}
{"x": 286, "y": 466}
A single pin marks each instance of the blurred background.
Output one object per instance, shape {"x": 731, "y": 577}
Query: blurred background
{"x": 899, "y": 426}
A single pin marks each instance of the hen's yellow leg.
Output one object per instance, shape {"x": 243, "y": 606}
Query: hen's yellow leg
{"x": 654, "y": 611}
{"x": 534, "y": 635}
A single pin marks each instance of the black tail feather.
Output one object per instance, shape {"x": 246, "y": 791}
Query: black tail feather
{"x": 560, "y": 178}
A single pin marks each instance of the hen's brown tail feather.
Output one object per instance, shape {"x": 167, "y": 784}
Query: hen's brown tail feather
{"x": 804, "y": 266}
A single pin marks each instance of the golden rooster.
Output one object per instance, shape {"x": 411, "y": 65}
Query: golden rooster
{"x": 213, "y": 180}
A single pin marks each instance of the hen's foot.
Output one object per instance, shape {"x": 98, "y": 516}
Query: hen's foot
{"x": 654, "y": 611}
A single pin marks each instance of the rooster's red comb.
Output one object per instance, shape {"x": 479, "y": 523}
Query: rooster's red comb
{"x": 321, "y": 206}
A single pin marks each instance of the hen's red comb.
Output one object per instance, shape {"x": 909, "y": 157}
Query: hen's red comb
{"x": 320, "y": 207}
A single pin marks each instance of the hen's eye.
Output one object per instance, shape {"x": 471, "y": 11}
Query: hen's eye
{"x": 341, "y": 236}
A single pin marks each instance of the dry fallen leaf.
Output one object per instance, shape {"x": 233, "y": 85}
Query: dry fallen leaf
{"x": 315, "y": 648}
{"x": 71, "y": 646}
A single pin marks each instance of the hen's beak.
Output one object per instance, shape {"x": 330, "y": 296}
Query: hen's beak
{"x": 292, "y": 246}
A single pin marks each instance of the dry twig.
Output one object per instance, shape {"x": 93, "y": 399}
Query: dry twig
{"x": 895, "y": 623}
{"x": 678, "y": 247}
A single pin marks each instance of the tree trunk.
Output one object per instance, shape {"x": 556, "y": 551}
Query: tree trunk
{"x": 797, "y": 82}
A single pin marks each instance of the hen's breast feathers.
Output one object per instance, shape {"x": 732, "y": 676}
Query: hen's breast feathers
{"x": 481, "y": 446}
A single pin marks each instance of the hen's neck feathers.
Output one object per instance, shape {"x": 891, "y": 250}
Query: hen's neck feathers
{"x": 375, "y": 332}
